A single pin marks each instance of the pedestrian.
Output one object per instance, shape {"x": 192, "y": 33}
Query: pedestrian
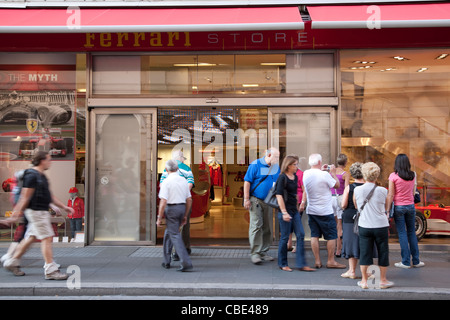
{"x": 21, "y": 228}
{"x": 288, "y": 215}
{"x": 317, "y": 183}
{"x": 185, "y": 171}
{"x": 350, "y": 240}
{"x": 35, "y": 199}
{"x": 373, "y": 225}
{"x": 402, "y": 185}
{"x": 344, "y": 179}
{"x": 259, "y": 178}
{"x": 299, "y": 175}
{"x": 175, "y": 204}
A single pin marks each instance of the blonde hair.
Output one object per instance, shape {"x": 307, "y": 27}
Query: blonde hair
{"x": 370, "y": 171}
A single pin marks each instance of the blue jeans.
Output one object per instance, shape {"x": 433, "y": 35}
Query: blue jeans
{"x": 76, "y": 224}
{"x": 285, "y": 229}
{"x": 405, "y": 221}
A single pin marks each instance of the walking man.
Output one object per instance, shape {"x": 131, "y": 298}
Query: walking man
{"x": 317, "y": 182}
{"x": 35, "y": 199}
{"x": 260, "y": 177}
{"x": 185, "y": 172}
{"x": 175, "y": 204}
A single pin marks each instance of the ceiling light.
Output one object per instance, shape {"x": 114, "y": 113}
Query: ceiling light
{"x": 389, "y": 69}
{"x": 360, "y": 68}
{"x": 273, "y": 64}
{"x": 422, "y": 70}
{"x": 442, "y": 56}
{"x": 250, "y": 85}
{"x": 364, "y": 62}
{"x": 400, "y": 58}
{"x": 200, "y": 64}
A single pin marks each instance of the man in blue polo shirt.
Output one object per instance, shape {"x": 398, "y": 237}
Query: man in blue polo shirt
{"x": 260, "y": 177}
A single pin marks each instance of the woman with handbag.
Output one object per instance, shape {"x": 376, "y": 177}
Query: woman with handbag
{"x": 373, "y": 225}
{"x": 402, "y": 187}
{"x": 288, "y": 215}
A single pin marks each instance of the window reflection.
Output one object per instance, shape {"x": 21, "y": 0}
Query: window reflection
{"x": 397, "y": 102}
{"x": 300, "y": 74}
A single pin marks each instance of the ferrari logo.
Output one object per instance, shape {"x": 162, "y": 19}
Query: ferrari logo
{"x": 427, "y": 213}
{"x": 32, "y": 125}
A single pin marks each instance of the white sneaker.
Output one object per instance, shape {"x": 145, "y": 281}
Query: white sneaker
{"x": 56, "y": 275}
{"x": 266, "y": 257}
{"x": 4, "y": 258}
{"x": 419, "y": 265}
{"x": 401, "y": 265}
{"x": 256, "y": 259}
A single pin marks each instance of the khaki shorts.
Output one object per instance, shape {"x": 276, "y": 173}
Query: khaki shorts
{"x": 39, "y": 224}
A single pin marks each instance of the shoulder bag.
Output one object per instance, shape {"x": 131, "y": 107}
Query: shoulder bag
{"x": 252, "y": 190}
{"x": 271, "y": 198}
{"x": 358, "y": 213}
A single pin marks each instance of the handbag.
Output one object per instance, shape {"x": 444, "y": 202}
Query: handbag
{"x": 416, "y": 191}
{"x": 417, "y": 196}
{"x": 358, "y": 213}
{"x": 271, "y": 198}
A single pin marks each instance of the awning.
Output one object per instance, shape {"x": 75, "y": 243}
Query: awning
{"x": 88, "y": 20}
{"x": 427, "y": 15}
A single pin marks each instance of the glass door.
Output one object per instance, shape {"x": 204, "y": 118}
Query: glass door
{"x": 123, "y": 179}
{"x": 303, "y": 131}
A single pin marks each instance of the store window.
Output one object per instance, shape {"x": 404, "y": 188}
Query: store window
{"x": 42, "y": 107}
{"x": 397, "y": 101}
{"x": 304, "y": 74}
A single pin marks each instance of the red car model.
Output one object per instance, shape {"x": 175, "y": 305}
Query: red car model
{"x": 431, "y": 218}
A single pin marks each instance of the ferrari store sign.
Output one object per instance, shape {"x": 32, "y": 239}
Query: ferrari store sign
{"x": 226, "y": 41}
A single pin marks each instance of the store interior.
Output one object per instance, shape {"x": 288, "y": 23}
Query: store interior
{"x": 218, "y": 157}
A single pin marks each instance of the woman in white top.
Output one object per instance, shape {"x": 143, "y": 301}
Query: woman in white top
{"x": 373, "y": 225}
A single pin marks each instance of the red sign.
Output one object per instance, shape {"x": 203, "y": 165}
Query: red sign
{"x": 228, "y": 41}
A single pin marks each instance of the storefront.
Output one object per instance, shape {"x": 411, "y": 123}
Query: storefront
{"x": 222, "y": 84}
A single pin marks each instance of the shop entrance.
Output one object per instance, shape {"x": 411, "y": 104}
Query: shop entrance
{"x": 220, "y": 143}
{"x": 123, "y": 178}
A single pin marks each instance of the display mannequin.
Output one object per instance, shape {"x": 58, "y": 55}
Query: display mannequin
{"x": 76, "y": 220}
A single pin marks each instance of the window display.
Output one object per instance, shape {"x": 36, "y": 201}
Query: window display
{"x": 396, "y": 101}
{"x": 38, "y": 111}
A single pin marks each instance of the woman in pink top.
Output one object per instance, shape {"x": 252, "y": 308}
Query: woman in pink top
{"x": 401, "y": 192}
{"x": 344, "y": 178}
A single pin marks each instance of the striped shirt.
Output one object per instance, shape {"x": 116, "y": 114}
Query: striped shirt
{"x": 183, "y": 170}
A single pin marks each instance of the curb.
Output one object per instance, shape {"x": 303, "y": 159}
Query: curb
{"x": 222, "y": 290}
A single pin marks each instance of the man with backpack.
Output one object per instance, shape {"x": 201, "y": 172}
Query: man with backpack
{"x": 35, "y": 199}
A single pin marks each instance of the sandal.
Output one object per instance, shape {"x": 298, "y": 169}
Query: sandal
{"x": 362, "y": 286}
{"x": 349, "y": 275}
{"x": 386, "y": 285}
{"x": 286, "y": 269}
{"x": 306, "y": 269}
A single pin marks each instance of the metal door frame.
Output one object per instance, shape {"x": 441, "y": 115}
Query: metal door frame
{"x": 334, "y": 143}
{"x": 151, "y": 173}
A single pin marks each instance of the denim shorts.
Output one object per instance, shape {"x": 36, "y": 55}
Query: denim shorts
{"x": 323, "y": 226}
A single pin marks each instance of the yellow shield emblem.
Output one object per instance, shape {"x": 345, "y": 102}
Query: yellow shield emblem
{"x": 32, "y": 125}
